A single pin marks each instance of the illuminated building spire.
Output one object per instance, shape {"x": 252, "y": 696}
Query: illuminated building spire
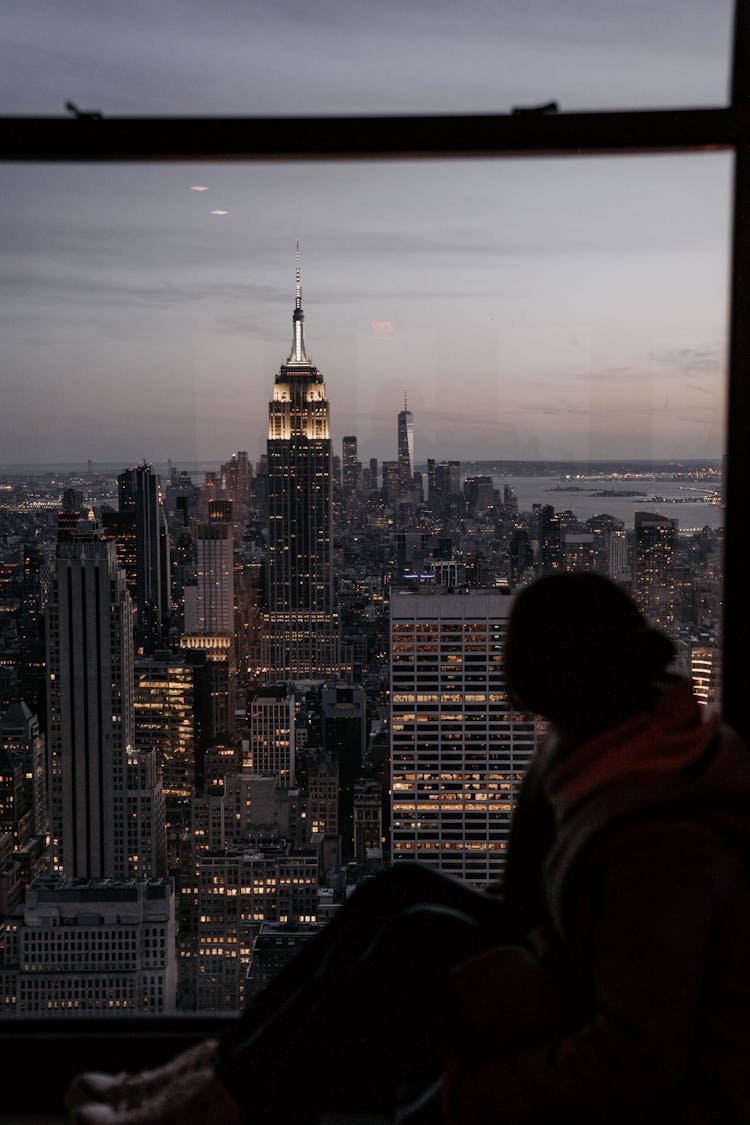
{"x": 297, "y": 354}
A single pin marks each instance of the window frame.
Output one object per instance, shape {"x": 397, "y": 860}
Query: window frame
{"x": 66, "y": 1045}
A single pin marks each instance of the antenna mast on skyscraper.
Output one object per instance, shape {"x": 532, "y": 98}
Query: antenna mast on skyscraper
{"x": 297, "y": 354}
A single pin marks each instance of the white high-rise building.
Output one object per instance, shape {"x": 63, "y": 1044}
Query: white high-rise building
{"x": 458, "y": 749}
{"x": 90, "y": 947}
{"x": 209, "y": 605}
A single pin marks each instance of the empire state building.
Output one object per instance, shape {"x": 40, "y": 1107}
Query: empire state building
{"x": 301, "y": 634}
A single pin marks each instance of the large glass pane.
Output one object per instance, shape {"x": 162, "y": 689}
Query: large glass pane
{"x": 501, "y": 368}
{"x": 336, "y": 57}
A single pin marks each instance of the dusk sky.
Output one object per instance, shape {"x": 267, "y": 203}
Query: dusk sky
{"x": 530, "y": 308}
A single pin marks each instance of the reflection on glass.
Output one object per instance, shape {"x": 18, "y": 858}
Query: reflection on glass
{"x": 339, "y": 58}
{"x": 220, "y": 703}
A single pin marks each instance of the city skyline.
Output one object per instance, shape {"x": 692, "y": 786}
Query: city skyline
{"x": 615, "y": 370}
{"x": 531, "y": 308}
{"x": 229, "y": 697}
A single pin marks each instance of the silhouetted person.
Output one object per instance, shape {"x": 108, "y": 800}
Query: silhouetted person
{"x": 646, "y": 880}
{"x": 610, "y": 982}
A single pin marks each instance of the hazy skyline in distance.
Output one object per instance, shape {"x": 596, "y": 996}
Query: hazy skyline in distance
{"x": 530, "y": 308}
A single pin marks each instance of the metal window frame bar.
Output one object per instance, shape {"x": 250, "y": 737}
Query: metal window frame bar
{"x": 527, "y": 134}
{"x": 448, "y": 136}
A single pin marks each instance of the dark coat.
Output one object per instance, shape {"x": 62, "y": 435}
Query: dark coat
{"x": 645, "y": 1016}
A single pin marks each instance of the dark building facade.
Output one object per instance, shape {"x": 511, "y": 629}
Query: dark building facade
{"x": 655, "y": 545}
{"x": 139, "y": 493}
{"x": 405, "y": 446}
{"x": 301, "y": 625}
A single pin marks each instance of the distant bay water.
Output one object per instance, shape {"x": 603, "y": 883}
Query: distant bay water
{"x": 678, "y": 500}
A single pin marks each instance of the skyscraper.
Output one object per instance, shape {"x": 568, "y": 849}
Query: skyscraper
{"x": 236, "y": 476}
{"x": 654, "y": 568}
{"x": 209, "y": 605}
{"x": 165, "y": 722}
{"x": 705, "y": 671}
{"x": 405, "y": 447}
{"x": 301, "y": 625}
{"x": 349, "y": 463}
{"x": 391, "y": 486}
{"x": 458, "y": 749}
{"x": 272, "y": 743}
{"x": 90, "y": 720}
{"x": 138, "y": 491}
{"x": 550, "y": 540}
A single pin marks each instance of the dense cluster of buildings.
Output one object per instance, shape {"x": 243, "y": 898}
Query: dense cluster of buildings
{"x": 225, "y": 702}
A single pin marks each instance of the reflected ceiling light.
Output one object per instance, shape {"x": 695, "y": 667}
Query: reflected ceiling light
{"x": 219, "y": 212}
{"x": 199, "y": 187}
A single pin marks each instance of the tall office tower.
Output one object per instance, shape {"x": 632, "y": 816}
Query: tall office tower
{"x": 236, "y": 892}
{"x": 391, "y": 485}
{"x": 654, "y": 569}
{"x": 344, "y": 737}
{"x": 430, "y": 477}
{"x": 11, "y": 878}
{"x": 165, "y": 721}
{"x": 90, "y": 947}
{"x": 368, "y": 820}
{"x": 301, "y": 634}
{"x": 90, "y": 711}
{"x": 146, "y": 839}
{"x": 30, "y": 616}
{"x": 21, "y": 738}
{"x": 373, "y": 472}
{"x": 182, "y": 561}
{"x": 67, "y": 521}
{"x": 521, "y": 555}
{"x": 510, "y": 501}
{"x": 215, "y": 684}
{"x": 479, "y": 493}
{"x": 458, "y": 749}
{"x": 349, "y": 463}
{"x": 209, "y": 633}
{"x": 272, "y": 743}
{"x": 705, "y": 671}
{"x": 322, "y": 802}
{"x": 72, "y": 500}
{"x": 253, "y": 805}
{"x": 579, "y": 551}
{"x": 617, "y": 565}
{"x": 120, "y": 528}
{"x": 550, "y": 540}
{"x": 15, "y": 814}
{"x": 405, "y": 448}
{"x": 209, "y": 605}
{"x": 220, "y": 510}
{"x": 71, "y": 506}
{"x": 446, "y": 481}
{"x": 236, "y": 476}
{"x": 138, "y": 491}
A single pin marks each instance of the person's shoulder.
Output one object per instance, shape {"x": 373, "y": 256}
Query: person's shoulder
{"x": 675, "y": 847}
